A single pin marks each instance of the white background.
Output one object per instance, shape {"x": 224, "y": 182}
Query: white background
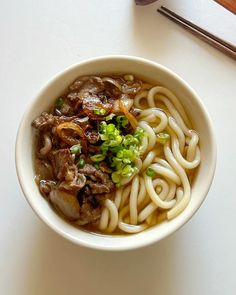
{"x": 40, "y": 38}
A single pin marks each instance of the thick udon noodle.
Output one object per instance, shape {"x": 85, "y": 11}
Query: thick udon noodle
{"x": 143, "y": 201}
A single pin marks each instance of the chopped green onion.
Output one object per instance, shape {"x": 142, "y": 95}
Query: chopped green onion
{"x": 81, "y": 163}
{"x": 121, "y": 151}
{"x": 150, "y": 172}
{"x": 100, "y": 112}
{"x": 104, "y": 148}
{"x": 75, "y": 149}
{"x": 111, "y": 128}
{"x": 96, "y": 165}
{"x": 163, "y": 137}
{"x": 115, "y": 149}
{"x": 116, "y": 141}
{"x": 130, "y": 140}
{"x": 116, "y": 178}
{"x": 122, "y": 121}
{"x": 59, "y": 102}
{"x": 127, "y": 171}
{"x": 110, "y": 134}
{"x": 97, "y": 158}
{"x": 124, "y": 153}
{"x": 110, "y": 117}
{"x": 116, "y": 162}
{"x": 139, "y": 133}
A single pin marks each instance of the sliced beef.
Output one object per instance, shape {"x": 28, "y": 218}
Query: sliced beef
{"x": 74, "y": 96}
{"x": 86, "y": 95}
{"x": 66, "y": 171}
{"x": 74, "y": 181}
{"x": 92, "y": 105}
{"x": 99, "y": 188}
{"x": 98, "y": 181}
{"x": 81, "y": 89}
{"x": 45, "y": 121}
{"x": 92, "y": 136}
{"x": 76, "y": 85}
{"x": 88, "y": 170}
{"x": 88, "y": 214}
{"x": 90, "y": 207}
{"x": 43, "y": 169}
{"x": 66, "y": 109}
{"x": 83, "y": 195}
{"x": 93, "y": 86}
{"x": 61, "y": 161}
{"x": 104, "y": 167}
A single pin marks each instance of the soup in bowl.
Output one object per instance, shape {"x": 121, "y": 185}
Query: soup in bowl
{"x": 115, "y": 153}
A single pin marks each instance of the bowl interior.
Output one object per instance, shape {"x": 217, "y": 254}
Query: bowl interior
{"x": 149, "y": 71}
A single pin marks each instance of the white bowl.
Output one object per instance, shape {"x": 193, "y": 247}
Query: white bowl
{"x": 110, "y": 64}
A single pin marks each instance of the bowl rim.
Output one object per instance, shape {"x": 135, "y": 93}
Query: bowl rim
{"x": 153, "y": 238}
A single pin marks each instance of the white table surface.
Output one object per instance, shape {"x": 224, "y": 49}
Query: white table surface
{"x": 40, "y": 38}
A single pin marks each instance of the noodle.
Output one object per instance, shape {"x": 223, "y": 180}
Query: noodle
{"x": 113, "y": 215}
{"x": 150, "y": 134}
{"x": 137, "y": 203}
{"x": 133, "y": 201}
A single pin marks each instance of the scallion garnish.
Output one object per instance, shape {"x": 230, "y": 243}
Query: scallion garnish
{"x": 139, "y": 134}
{"x": 100, "y": 112}
{"x": 59, "y": 102}
{"x": 116, "y": 177}
{"x": 150, "y": 172}
{"x": 122, "y": 151}
{"x": 75, "y": 149}
{"x": 96, "y": 165}
{"x": 81, "y": 163}
{"x": 97, "y": 158}
{"x": 163, "y": 137}
{"x": 110, "y": 117}
{"x": 122, "y": 121}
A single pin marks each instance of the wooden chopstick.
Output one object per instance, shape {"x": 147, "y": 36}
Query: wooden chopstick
{"x": 199, "y": 32}
{"x": 199, "y": 28}
{"x": 228, "y": 4}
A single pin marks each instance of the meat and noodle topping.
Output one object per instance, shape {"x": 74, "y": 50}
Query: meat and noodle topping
{"x": 115, "y": 154}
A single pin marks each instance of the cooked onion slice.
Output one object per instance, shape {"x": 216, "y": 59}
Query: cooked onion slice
{"x": 127, "y": 101}
{"x": 112, "y": 81}
{"x": 66, "y": 203}
{"x": 128, "y": 115}
{"x": 69, "y": 126}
